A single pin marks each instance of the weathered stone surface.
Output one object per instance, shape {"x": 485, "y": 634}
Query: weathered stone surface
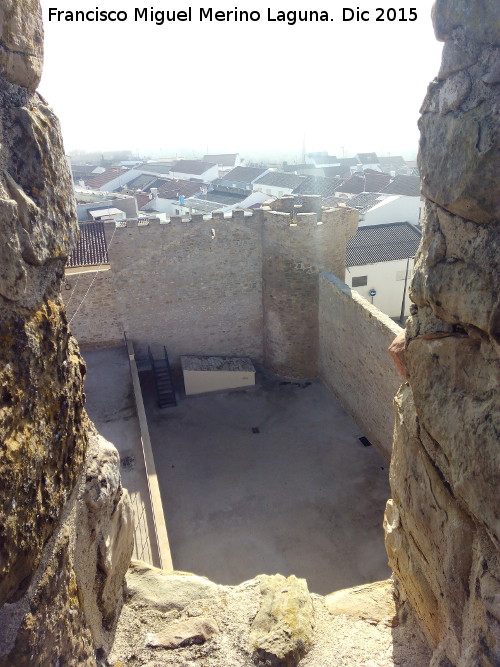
{"x": 192, "y": 631}
{"x": 44, "y": 615}
{"x": 471, "y": 188}
{"x": 428, "y": 536}
{"x": 397, "y": 351}
{"x": 21, "y": 42}
{"x": 463, "y": 422}
{"x": 443, "y": 522}
{"x": 55, "y": 626}
{"x": 282, "y": 631}
{"x": 43, "y": 435}
{"x": 479, "y": 19}
{"x": 166, "y": 590}
{"x": 105, "y": 540}
{"x": 462, "y": 286}
{"x": 457, "y": 55}
{"x": 372, "y": 602}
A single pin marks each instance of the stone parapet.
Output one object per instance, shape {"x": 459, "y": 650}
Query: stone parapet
{"x": 442, "y": 524}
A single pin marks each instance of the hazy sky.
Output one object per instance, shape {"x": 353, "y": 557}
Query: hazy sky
{"x": 185, "y": 87}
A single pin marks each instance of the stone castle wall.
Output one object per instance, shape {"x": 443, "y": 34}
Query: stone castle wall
{"x": 244, "y": 285}
{"x": 353, "y": 361}
{"x": 195, "y": 287}
{"x": 297, "y": 246}
{"x": 443, "y": 522}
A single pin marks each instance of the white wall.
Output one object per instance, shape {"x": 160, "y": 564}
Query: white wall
{"x": 272, "y": 190}
{"x": 208, "y": 175}
{"x": 168, "y": 206}
{"x": 396, "y": 208}
{"x": 388, "y": 279}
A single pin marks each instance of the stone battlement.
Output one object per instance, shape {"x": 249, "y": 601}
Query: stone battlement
{"x": 289, "y": 210}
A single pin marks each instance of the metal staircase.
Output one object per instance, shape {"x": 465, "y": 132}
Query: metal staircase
{"x": 163, "y": 379}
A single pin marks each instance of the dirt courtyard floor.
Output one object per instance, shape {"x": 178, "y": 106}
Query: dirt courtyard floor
{"x": 301, "y": 496}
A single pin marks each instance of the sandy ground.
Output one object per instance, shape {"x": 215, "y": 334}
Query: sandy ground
{"x": 302, "y": 496}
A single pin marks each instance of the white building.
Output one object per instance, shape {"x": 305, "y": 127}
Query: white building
{"x": 393, "y": 209}
{"x": 379, "y": 261}
{"x": 194, "y": 169}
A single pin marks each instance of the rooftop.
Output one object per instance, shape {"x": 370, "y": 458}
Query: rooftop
{"x": 173, "y": 188}
{"x": 382, "y": 243}
{"x": 367, "y": 181}
{"x": 392, "y": 160}
{"x": 404, "y": 185}
{"x": 368, "y": 158}
{"x": 245, "y": 174}
{"x": 141, "y": 182}
{"x": 224, "y": 159}
{"x": 318, "y": 185}
{"x": 100, "y": 212}
{"x": 91, "y": 248}
{"x": 365, "y": 201}
{"x": 98, "y": 180}
{"x": 324, "y": 159}
{"x": 225, "y": 198}
{"x": 280, "y": 179}
{"x": 197, "y": 167}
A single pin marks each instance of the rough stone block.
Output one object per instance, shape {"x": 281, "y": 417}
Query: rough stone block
{"x": 21, "y": 42}
{"x": 372, "y": 602}
{"x": 166, "y": 590}
{"x": 192, "y": 631}
{"x": 460, "y": 164}
{"x": 282, "y": 631}
{"x": 480, "y": 19}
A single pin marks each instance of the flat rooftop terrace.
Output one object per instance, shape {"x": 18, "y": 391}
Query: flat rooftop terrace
{"x": 269, "y": 479}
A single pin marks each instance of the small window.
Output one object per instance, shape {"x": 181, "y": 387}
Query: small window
{"x": 360, "y": 281}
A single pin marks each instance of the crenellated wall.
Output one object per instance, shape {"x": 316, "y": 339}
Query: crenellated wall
{"x": 443, "y": 522}
{"x": 243, "y": 285}
{"x": 298, "y": 243}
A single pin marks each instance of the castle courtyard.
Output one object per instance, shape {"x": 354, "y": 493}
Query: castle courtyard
{"x": 264, "y": 480}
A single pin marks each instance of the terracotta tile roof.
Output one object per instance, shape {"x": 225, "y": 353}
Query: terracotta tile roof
{"x": 371, "y": 181}
{"x": 382, "y": 243}
{"x": 280, "y": 179}
{"x": 98, "y": 180}
{"x": 91, "y": 248}
{"x": 197, "y": 167}
{"x": 404, "y": 185}
{"x": 142, "y": 200}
